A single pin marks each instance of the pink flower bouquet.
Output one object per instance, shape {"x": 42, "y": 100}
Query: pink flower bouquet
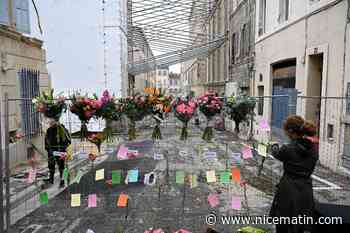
{"x": 85, "y": 108}
{"x": 111, "y": 110}
{"x": 184, "y": 111}
{"x": 210, "y": 105}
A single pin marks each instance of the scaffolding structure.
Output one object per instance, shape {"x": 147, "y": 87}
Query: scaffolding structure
{"x": 166, "y": 26}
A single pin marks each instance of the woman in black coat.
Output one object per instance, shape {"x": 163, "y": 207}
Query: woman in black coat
{"x": 294, "y": 195}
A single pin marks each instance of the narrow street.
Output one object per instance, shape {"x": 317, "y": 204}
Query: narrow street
{"x": 166, "y": 205}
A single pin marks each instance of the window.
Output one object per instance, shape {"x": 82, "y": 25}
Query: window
{"x": 243, "y": 41}
{"x": 20, "y": 14}
{"x": 261, "y": 78}
{"x": 262, "y": 17}
{"x": 283, "y": 11}
{"x": 233, "y": 48}
{"x": 29, "y": 88}
{"x": 164, "y": 73}
{"x": 261, "y": 100}
{"x": 330, "y": 131}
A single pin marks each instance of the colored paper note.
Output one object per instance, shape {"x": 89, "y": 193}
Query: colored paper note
{"x": 264, "y": 125}
{"x": 92, "y": 201}
{"x": 236, "y": 174}
{"x": 210, "y": 155}
{"x": 158, "y": 231}
{"x": 122, "y": 152}
{"x": 158, "y": 157}
{"x": 194, "y": 181}
{"x": 213, "y": 200}
{"x": 123, "y": 200}
{"x": 66, "y": 174}
{"x": 236, "y": 157}
{"x": 247, "y": 153}
{"x": 116, "y": 176}
{"x": 183, "y": 231}
{"x": 133, "y": 175}
{"x": 100, "y": 174}
{"x": 31, "y": 176}
{"x": 75, "y": 200}
{"x": 236, "y": 203}
{"x": 211, "y": 177}
{"x": 180, "y": 177}
{"x": 225, "y": 177}
{"x": 262, "y": 150}
{"x": 43, "y": 198}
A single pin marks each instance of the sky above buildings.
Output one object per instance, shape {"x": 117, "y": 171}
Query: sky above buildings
{"x": 73, "y": 39}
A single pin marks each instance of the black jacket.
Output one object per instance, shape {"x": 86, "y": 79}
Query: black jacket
{"x": 53, "y": 142}
{"x": 294, "y": 195}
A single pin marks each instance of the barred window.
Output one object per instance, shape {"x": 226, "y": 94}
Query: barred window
{"x": 29, "y": 88}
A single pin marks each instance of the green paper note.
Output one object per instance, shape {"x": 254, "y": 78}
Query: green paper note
{"x": 180, "y": 177}
{"x": 225, "y": 177}
{"x": 65, "y": 174}
{"x": 78, "y": 177}
{"x": 44, "y": 198}
{"x": 116, "y": 176}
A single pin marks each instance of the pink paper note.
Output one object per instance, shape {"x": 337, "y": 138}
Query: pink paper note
{"x": 158, "y": 231}
{"x": 31, "y": 176}
{"x": 247, "y": 153}
{"x": 123, "y": 152}
{"x": 92, "y": 202}
{"x": 213, "y": 200}
{"x": 236, "y": 203}
{"x": 183, "y": 231}
{"x": 264, "y": 125}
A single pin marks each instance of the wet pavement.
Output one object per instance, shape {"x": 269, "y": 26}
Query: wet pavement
{"x": 166, "y": 205}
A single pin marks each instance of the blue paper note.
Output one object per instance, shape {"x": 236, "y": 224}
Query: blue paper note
{"x": 133, "y": 175}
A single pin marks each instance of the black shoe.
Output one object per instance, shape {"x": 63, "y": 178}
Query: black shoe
{"x": 62, "y": 184}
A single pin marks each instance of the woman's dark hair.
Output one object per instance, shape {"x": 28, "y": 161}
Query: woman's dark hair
{"x": 298, "y": 126}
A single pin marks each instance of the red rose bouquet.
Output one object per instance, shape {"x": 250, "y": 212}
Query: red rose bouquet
{"x": 184, "y": 111}
{"x": 85, "y": 108}
{"x": 210, "y": 105}
{"x": 135, "y": 108}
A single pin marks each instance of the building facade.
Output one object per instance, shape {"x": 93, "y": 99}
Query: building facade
{"x": 217, "y": 61}
{"x": 303, "y": 47}
{"x": 174, "y": 88}
{"x": 241, "y": 51}
{"x": 23, "y": 74}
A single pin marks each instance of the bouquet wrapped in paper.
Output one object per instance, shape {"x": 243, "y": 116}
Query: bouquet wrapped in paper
{"x": 240, "y": 108}
{"x": 85, "y": 108}
{"x": 97, "y": 139}
{"x": 184, "y": 110}
{"x": 210, "y": 105}
{"x": 135, "y": 108}
{"x": 160, "y": 105}
{"x": 52, "y": 107}
{"x": 110, "y": 110}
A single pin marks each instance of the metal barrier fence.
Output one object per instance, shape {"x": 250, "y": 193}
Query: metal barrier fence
{"x": 23, "y": 149}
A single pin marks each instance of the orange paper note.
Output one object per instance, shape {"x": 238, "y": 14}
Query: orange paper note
{"x": 236, "y": 174}
{"x": 123, "y": 200}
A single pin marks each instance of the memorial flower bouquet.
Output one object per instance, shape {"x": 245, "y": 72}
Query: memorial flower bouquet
{"x": 240, "y": 108}
{"x": 97, "y": 139}
{"x": 135, "y": 108}
{"x": 210, "y": 105}
{"x": 184, "y": 111}
{"x": 160, "y": 104}
{"x": 85, "y": 108}
{"x": 111, "y": 110}
{"x": 52, "y": 107}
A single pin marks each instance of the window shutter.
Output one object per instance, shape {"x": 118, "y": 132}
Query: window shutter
{"x": 4, "y": 13}
{"x": 21, "y": 13}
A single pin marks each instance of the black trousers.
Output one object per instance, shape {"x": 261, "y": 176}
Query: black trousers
{"x": 52, "y": 161}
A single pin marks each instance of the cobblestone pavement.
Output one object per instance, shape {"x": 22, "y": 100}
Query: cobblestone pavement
{"x": 166, "y": 205}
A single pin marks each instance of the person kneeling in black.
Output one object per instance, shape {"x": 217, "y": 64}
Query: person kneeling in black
{"x": 57, "y": 140}
{"x": 294, "y": 195}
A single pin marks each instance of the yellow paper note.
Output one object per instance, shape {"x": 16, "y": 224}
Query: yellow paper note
{"x": 211, "y": 177}
{"x": 75, "y": 200}
{"x": 100, "y": 174}
{"x": 262, "y": 150}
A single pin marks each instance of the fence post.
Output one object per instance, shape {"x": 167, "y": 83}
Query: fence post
{"x": 1, "y": 176}
{"x": 7, "y": 162}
